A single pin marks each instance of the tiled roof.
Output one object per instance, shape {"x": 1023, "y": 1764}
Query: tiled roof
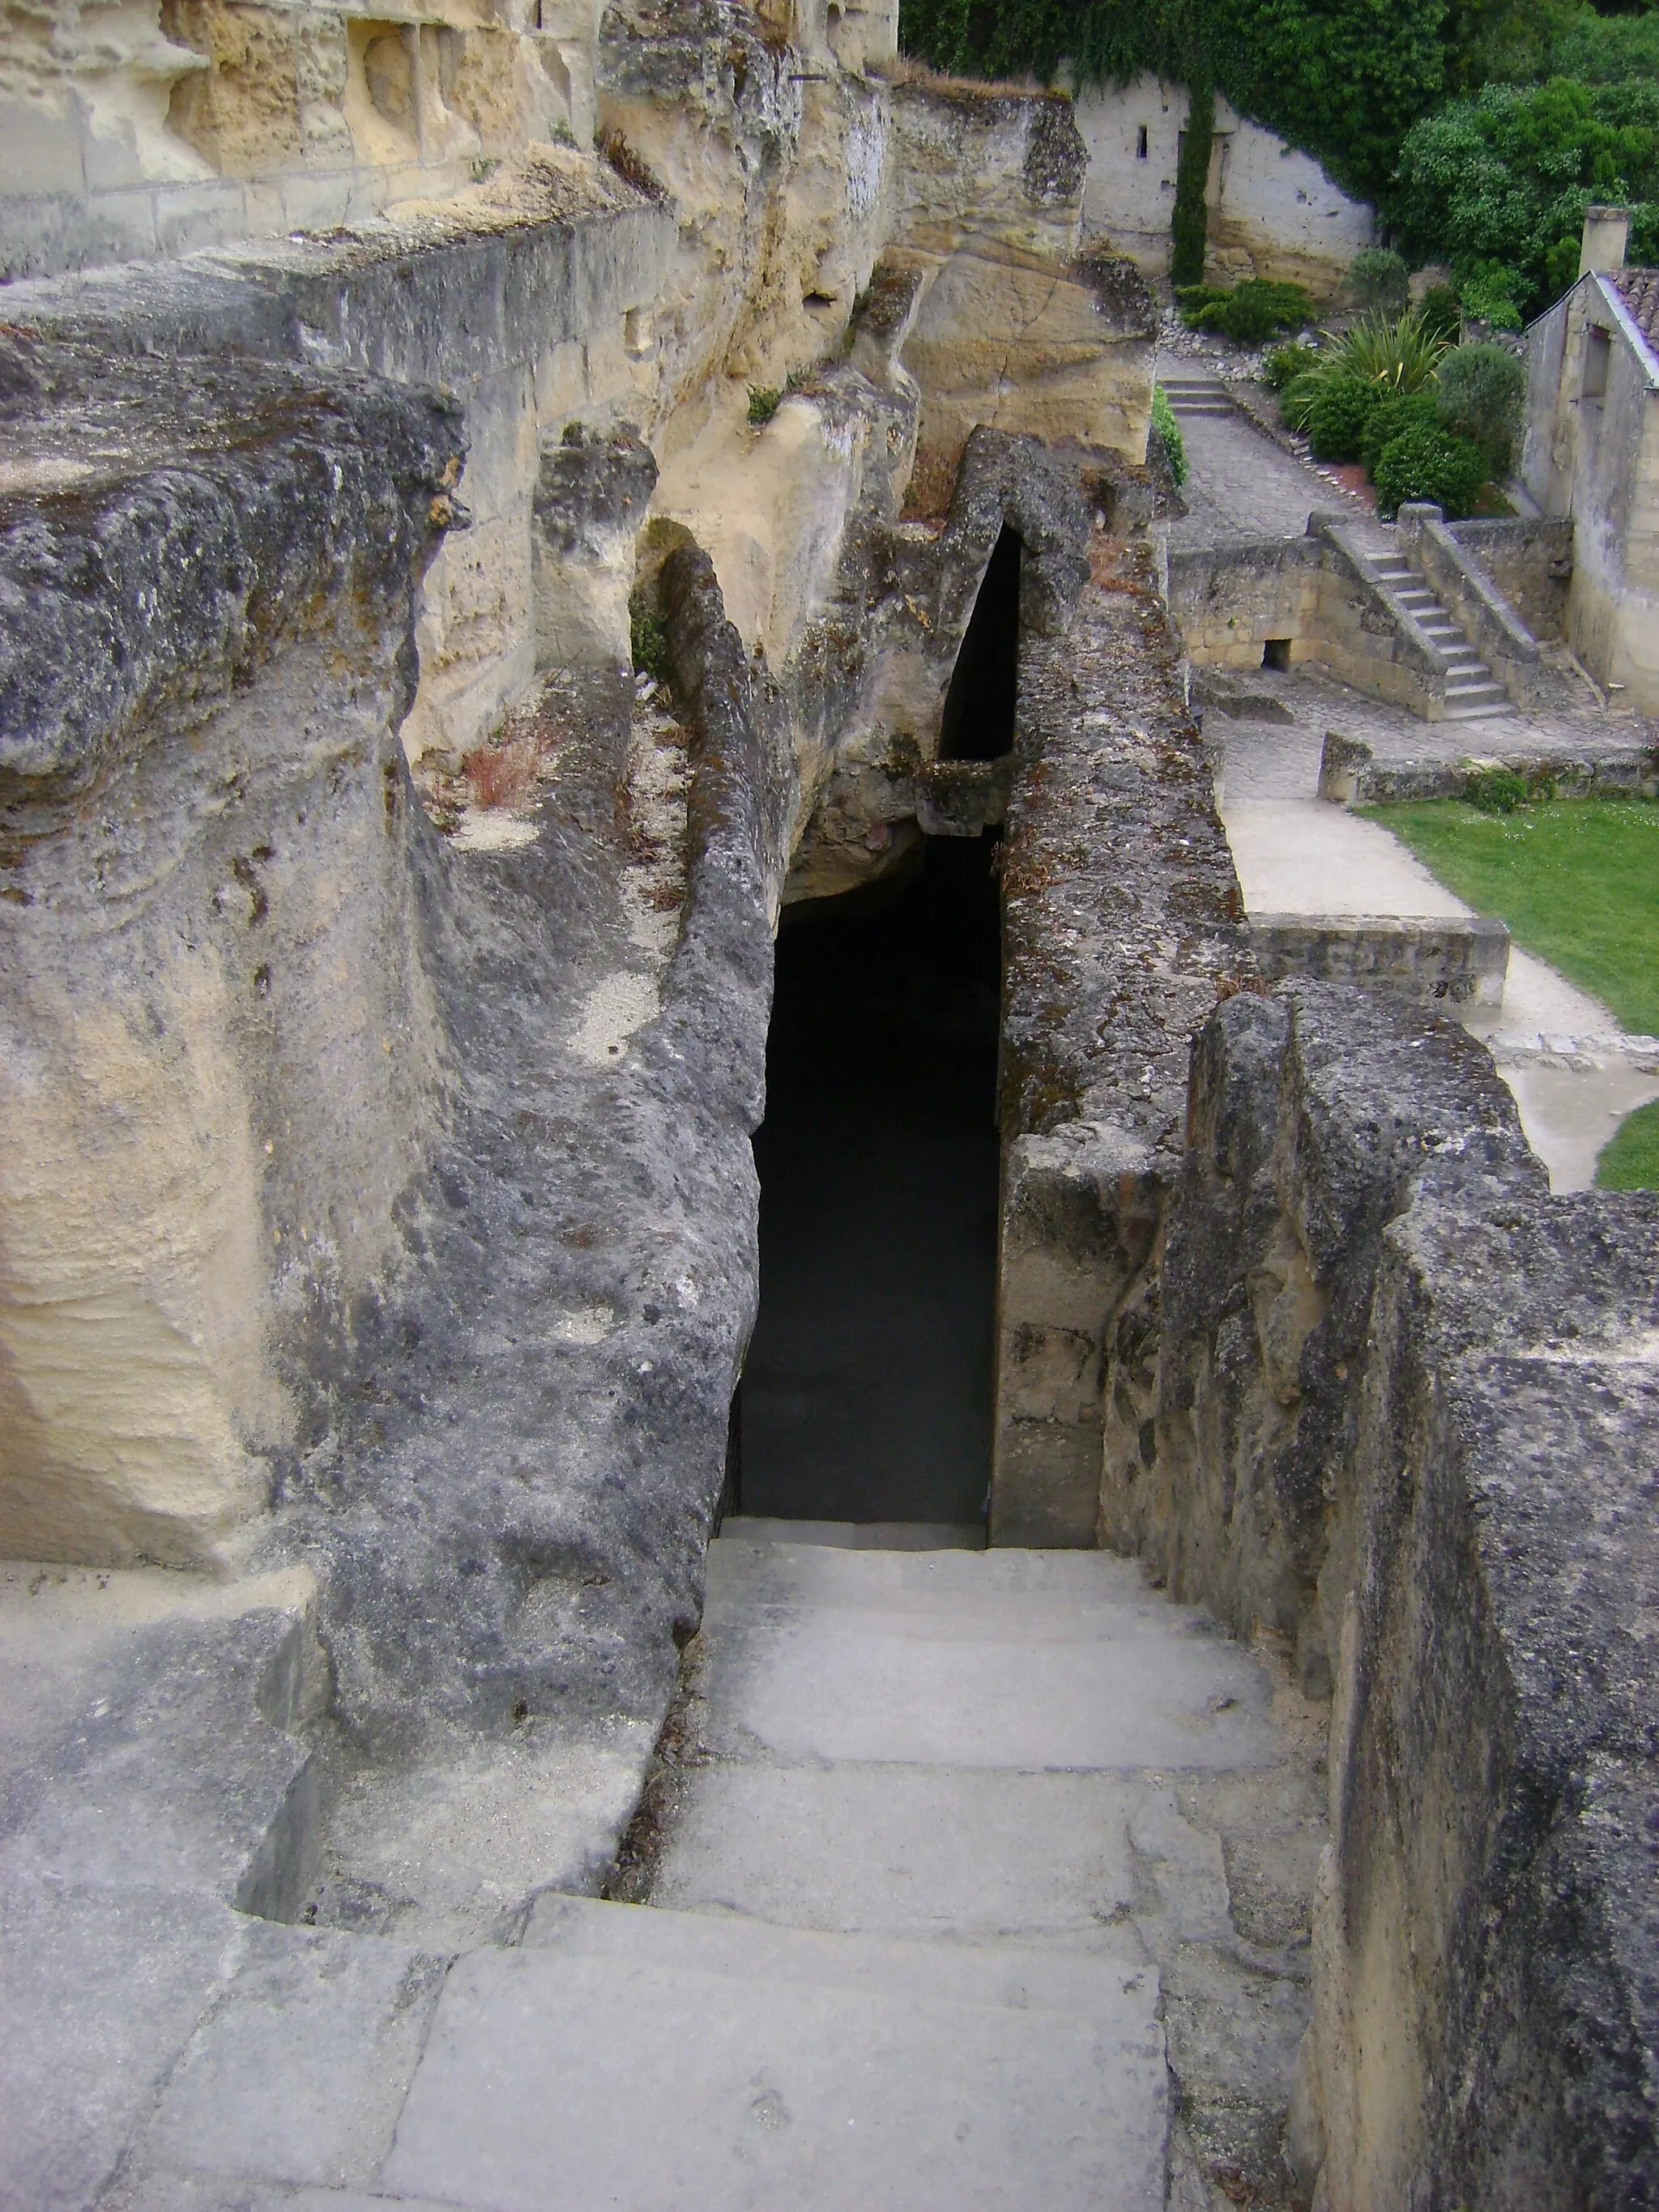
{"x": 1639, "y": 291}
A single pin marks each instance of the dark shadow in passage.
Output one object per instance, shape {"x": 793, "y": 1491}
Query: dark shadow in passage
{"x": 867, "y": 1392}
{"x": 978, "y": 722}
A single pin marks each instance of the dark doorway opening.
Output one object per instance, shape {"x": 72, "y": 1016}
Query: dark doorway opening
{"x": 867, "y": 1395}
{"x": 978, "y": 723}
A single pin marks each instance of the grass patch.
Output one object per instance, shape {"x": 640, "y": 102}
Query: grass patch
{"x": 1575, "y": 879}
{"x": 1631, "y": 1159}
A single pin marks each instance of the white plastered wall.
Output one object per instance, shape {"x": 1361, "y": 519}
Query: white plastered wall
{"x": 1273, "y": 212}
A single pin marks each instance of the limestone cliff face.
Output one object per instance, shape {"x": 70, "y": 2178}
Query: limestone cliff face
{"x": 381, "y": 1184}
{"x": 222, "y": 1061}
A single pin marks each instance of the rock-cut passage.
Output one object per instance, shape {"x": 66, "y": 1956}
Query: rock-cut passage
{"x": 867, "y": 1395}
{"x": 978, "y": 720}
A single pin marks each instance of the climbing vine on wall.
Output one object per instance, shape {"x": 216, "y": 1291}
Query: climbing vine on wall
{"x": 1344, "y": 79}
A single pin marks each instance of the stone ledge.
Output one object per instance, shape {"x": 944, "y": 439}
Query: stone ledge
{"x": 1427, "y": 958}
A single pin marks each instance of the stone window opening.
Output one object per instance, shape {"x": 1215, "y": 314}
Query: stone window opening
{"x": 867, "y": 1392}
{"x": 1598, "y": 351}
{"x": 978, "y": 721}
{"x": 1141, "y": 145}
{"x": 1276, "y": 652}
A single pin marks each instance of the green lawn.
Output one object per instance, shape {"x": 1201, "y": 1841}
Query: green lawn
{"x": 1577, "y": 882}
{"x": 1631, "y": 1161}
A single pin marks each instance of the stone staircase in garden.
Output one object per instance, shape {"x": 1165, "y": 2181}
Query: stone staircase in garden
{"x": 1472, "y": 691}
{"x": 1190, "y": 394}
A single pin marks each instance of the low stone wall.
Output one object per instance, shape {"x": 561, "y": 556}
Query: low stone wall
{"x": 1426, "y": 958}
{"x": 1351, "y": 774}
{"x": 1123, "y": 925}
{"x": 1529, "y": 562}
{"x": 1320, "y": 593}
{"x": 1405, "y": 1419}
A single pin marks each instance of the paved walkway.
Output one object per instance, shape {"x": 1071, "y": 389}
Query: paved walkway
{"x": 1554, "y": 1044}
{"x": 1241, "y": 485}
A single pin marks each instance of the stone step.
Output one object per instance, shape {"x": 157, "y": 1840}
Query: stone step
{"x": 856, "y": 1535}
{"x": 1003, "y": 1659}
{"x": 638, "y": 2059}
{"x": 979, "y": 1857}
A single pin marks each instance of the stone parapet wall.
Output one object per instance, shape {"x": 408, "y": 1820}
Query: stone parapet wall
{"x": 1529, "y": 562}
{"x": 1462, "y": 584}
{"x": 1123, "y": 925}
{"x": 1405, "y": 1421}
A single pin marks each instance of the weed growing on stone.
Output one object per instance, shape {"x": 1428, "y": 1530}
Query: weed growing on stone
{"x": 1168, "y": 430}
{"x": 763, "y": 403}
{"x": 649, "y": 639}
{"x": 1575, "y": 879}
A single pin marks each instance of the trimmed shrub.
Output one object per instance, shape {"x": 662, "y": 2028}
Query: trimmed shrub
{"x": 1286, "y": 363}
{"x": 1427, "y": 462}
{"x": 1337, "y": 416}
{"x": 1377, "y": 279}
{"x": 1249, "y": 312}
{"x": 1391, "y": 418}
{"x": 1165, "y": 427}
{"x": 1480, "y": 391}
{"x": 1440, "y": 314}
{"x": 1488, "y": 296}
{"x": 1190, "y": 222}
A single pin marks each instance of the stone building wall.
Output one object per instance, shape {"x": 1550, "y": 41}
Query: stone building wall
{"x": 1593, "y": 455}
{"x": 1273, "y": 212}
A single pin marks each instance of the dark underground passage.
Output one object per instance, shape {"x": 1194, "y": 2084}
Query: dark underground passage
{"x": 867, "y": 1395}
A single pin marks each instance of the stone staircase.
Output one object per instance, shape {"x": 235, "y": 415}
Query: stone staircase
{"x": 1472, "y": 691}
{"x": 1195, "y": 393}
{"x": 938, "y": 1920}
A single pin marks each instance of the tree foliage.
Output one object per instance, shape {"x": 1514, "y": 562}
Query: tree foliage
{"x": 1501, "y": 181}
{"x": 1343, "y": 78}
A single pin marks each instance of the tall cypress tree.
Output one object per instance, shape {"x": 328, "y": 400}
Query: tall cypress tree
{"x": 1189, "y": 229}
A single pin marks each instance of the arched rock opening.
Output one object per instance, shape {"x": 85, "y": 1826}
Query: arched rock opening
{"x": 978, "y": 721}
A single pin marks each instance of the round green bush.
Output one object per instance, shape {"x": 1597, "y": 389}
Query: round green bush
{"x": 1337, "y": 414}
{"x": 1390, "y": 418}
{"x": 1440, "y": 314}
{"x": 1426, "y": 462}
{"x": 1480, "y": 390}
{"x": 1378, "y": 278}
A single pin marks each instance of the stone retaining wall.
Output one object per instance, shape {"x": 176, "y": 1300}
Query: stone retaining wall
{"x": 1319, "y": 592}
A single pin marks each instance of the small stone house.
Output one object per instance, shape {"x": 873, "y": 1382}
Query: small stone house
{"x": 1591, "y": 451}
